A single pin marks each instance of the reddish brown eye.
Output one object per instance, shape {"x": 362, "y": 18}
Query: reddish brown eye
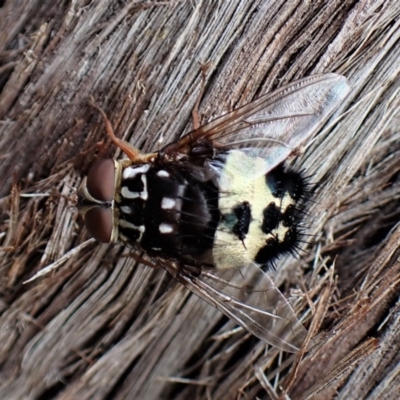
{"x": 100, "y": 180}
{"x": 99, "y": 223}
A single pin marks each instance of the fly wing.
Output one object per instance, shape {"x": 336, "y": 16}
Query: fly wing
{"x": 248, "y": 296}
{"x": 278, "y": 122}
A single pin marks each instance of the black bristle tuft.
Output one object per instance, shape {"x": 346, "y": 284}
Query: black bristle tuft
{"x": 283, "y": 182}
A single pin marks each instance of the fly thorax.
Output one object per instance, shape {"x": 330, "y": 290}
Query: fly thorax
{"x": 165, "y": 212}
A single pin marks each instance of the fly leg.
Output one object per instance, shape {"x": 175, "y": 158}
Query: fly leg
{"x": 195, "y": 111}
{"x": 133, "y": 153}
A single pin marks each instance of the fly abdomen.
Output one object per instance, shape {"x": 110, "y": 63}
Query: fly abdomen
{"x": 261, "y": 211}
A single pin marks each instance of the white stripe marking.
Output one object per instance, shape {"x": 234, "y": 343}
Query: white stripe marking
{"x": 165, "y": 228}
{"x": 131, "y": 172}
{"x": 181, "y": 190}
{"x": 167, "y": 203}
{"x": 126, "y": 224}
{"x": 144, "y": 195}
{"x": 125, "y": 192}
{"x": 163, "y": 174}
{"x": 126, "y": 209}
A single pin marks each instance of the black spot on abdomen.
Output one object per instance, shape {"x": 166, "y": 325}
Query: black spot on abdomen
{"x": 281, "y": 182}
{"x": 243, "y": 215}
{"x": 271, "y": 218}
{"x": 291, "y": 189}
{"x": 275, "y": 247}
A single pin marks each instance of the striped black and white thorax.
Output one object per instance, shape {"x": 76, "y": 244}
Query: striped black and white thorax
{"x": 166, "y": 211}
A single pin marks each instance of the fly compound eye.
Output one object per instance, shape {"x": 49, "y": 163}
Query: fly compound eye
{"x": 100, "y": 180}
{"x": 99, "y": 223}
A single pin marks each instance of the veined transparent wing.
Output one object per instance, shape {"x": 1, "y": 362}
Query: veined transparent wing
{"x": 248, "y": 296}
{"x": 279, "y": 122}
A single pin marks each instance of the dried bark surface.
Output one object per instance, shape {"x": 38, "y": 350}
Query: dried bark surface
{"x": 100, "y": 326}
